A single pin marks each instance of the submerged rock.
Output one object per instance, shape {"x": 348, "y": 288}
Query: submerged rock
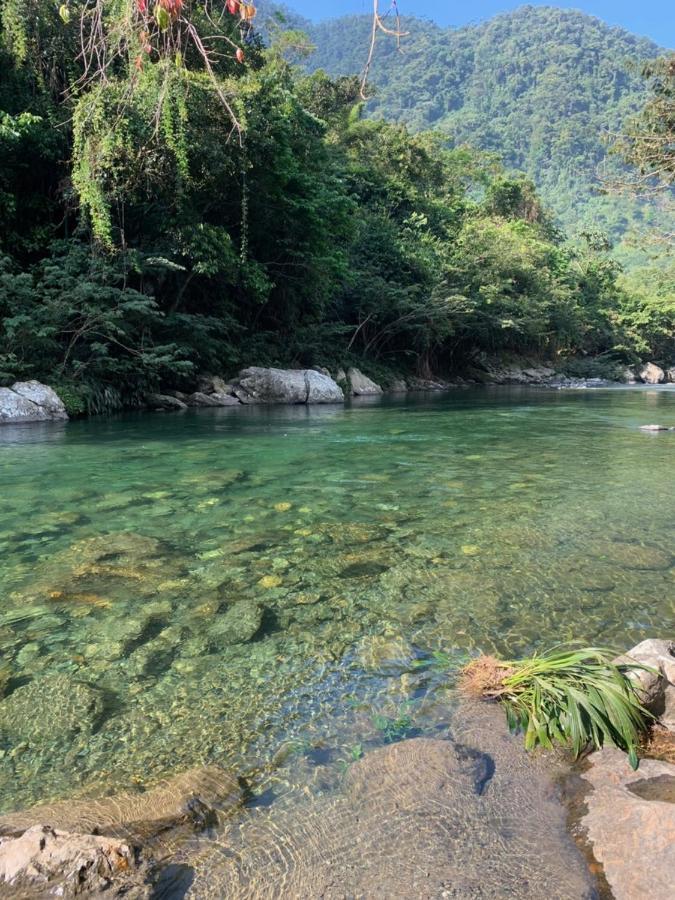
{"x": 652, "y": 374}
{"x": 267, "y": 385}
{"x": 422, "y": 818}
{"x": 632, "y": 836}
{"x": 628, "y": 555}
{"x": 655, "y": 428}
{"x": 138, "y": 814}
{"x": 239, "y": 624}
{"x": 30, "y": 401}
{"x": 50, "y": 708}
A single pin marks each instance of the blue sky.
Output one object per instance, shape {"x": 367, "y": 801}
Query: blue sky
{"x": 651, "y": 18}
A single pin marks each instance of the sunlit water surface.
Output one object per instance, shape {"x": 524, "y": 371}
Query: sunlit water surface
{"x": 256, "y": 585}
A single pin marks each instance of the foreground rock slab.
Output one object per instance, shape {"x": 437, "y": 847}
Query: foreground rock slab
{"x": 46, "y": 862}
{"x": 30, "y": 401}
{"x": 423, "y": 818}
{"x": 135, "y": 814}
{"x": 630, "y": 824}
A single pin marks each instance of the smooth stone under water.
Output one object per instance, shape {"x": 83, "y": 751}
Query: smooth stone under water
{"x": 278, "y": 591}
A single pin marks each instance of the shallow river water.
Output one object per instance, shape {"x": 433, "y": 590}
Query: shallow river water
{"x": 255, "y": 585}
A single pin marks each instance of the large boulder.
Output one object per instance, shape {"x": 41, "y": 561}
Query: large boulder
{"x": 652, "y": 374}
{"x": 361, "y": 385}
{"x": 630, "y": 824}
{"x": 267, "y": 385}
{"x": 670, "y": 374}
{"x": 30, "y": 401}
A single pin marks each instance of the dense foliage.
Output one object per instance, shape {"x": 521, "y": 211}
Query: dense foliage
{"x": 544, "y": 88}
{"x": 198, "y": 211}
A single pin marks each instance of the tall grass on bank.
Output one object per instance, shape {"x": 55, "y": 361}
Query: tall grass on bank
{"x": 574, "y": 698}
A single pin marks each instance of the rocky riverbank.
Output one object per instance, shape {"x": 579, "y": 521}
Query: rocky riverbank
{"x": 32, "y": 401}
{"x": 424, "y": 817}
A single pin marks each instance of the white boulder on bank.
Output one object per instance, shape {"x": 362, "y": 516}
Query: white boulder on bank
{"x": 30, "y": 401}
{"x": 361, "y": 385}
{"x": 652, "y": 374}
{"x": 268, "y": 385}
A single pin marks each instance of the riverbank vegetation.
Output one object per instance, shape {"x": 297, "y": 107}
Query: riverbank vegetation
{"x": 177, "y": 198}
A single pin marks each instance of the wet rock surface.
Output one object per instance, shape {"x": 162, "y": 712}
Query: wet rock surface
{"x": 50, "y": 709}
{"x": 420, "y": 818}
{"x": 30, "y": 401}
{"x": 142, "y": 815}
{"x": 630, "y": 824}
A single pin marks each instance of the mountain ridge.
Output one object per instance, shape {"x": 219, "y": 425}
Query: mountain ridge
{"x": 542, "y": 87}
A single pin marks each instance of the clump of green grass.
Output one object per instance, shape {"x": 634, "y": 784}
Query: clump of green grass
{"x": 575, "y": 698}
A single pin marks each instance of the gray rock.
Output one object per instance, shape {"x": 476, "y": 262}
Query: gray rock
{"x": 670, "y": 374}
{"x": 667, "y": 717}
{"x": 322, "y": 389}
{"x": 200, "y": 399}
{"x": 652, "y": 374}
{"x": 49, "y": 709}
{"x": 164, "y": 402}
{"x": 361, "y": 385}
{"x": 426, "y": 384}
{"x": 60, "y": 863}
{"x": 225, "y": 399}
{"x": 30, "y": 401}
{"x": 628, "y": 376}
{"x": 239, "y": 624}
{"x": 659, "y": 658}
{"x": 267, "y": 385}
{"x": 213, "y": 384}
{"x": 341, "y": 376}
{"x": 398, "y": 386}
{"x": 322, "y": 370}
{"x": 632, "y": 830}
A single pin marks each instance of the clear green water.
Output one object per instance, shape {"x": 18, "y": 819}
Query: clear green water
{"x": 359, "y": 540}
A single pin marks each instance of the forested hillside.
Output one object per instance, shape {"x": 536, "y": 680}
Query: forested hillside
{"x": 542, "y": 87}
{"x": 176, "y": 199}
